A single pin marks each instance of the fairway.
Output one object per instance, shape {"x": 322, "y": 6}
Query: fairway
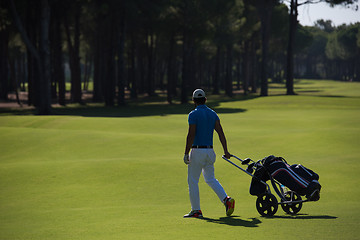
{"x": 118, "y": 173}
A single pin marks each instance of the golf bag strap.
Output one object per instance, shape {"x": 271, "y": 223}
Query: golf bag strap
{"x": 281, "y": 159}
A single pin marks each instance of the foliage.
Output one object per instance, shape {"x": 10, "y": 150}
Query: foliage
{"x": 137, "y": 47}
{"x": 343, "y": 44}
{"x": 4, "y": 18}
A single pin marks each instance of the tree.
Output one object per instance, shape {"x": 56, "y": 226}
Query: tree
{"x": 120, "y": 40}
{"x": 304, "y": 40}
{"x": 293, "y": 14}
{"x": 141, "y": 46}
{"x": 277, "y": 44}
{"x": 325, "y": 25}
{"x": 56, "y": 44}
{"x": 343, "y": 49}
{"x": 4, "y": 40}
{"x": 74, "y": 49}
{"x": 233, "y": 24}
{"x": 249, "y": 39}
{"x": 265, "y": 8}
{"x": 290, "y": 51}
{"x": 225, "y": 24}
{"x": 41, "y": 55}
{"x": 108, "y": 34}
{"x": 191, "y": 23}
{"x": 170, "y": 29}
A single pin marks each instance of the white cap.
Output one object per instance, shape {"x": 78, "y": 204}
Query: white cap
{"x": 198, "y": 93}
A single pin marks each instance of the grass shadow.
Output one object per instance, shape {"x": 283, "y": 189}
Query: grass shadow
{"x": 157, "y": 105}
{"x": 17, "y": 111}
{"x": 234, "y": 221}
{"x": 136, "y": 108}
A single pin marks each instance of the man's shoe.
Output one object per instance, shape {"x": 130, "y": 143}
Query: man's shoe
{"x": 230, "y": 206}
{"x": 194, "y": 214}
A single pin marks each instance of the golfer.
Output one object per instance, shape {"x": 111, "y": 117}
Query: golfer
{"x": 202, "y": 122}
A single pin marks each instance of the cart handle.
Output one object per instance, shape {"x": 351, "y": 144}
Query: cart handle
{"x": 267, "y": 185}
{"x": 246, "y": 161}
{"x": 236, "y": 164}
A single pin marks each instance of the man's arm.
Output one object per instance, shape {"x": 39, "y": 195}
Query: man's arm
{"x": 220, "y": 132}
{"x": 190, "y": 138}
{"x": 189, "y": 141}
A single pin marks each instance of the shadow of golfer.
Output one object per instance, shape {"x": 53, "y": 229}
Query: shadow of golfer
{"x": 234, "y": 221}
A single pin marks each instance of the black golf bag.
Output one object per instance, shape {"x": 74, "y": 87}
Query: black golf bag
{"x": 295, "y": 177}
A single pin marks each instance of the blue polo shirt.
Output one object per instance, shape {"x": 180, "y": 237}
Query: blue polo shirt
{"x": 204, "y": 118}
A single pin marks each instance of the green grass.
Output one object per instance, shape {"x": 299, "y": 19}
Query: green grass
{"x": 117, "y": 173}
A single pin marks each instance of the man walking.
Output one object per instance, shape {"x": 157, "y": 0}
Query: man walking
{"x": 202, "y": 122}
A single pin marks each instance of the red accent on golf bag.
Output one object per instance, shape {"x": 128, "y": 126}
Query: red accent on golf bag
{"x": 282, "y": 172}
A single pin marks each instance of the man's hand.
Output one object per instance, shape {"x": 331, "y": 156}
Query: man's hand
{"x": 227, "y": 155}
{"x": 186, "y": 159}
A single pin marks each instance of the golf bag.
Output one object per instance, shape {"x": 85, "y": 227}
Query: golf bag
{"x": 295, "y": 177}
{"x": 256, "y": 187}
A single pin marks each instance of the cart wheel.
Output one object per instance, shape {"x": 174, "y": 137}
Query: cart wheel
{"x": 266, "y": 204}
{"x": 292, "y": 208}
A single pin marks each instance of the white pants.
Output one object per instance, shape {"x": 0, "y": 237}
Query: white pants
{"x": 202, "y": 160}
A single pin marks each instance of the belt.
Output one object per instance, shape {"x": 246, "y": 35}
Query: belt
{"x": 196, "y": 146}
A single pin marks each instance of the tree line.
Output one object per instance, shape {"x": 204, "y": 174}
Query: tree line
{"x": 126, "y": 48}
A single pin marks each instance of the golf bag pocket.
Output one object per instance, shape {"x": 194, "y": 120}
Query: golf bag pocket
{"x": 256, "y": 187}
{"x": 286, "y": 176}
{"x": 304, "y": 172}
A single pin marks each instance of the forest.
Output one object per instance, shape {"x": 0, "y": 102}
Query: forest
{"x": 118, "y": 50}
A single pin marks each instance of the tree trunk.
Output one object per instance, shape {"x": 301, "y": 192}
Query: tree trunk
{"x": 238, "y": 71}
{"x": 58, "y": 75}
{"x": 216, "y": 80}
{"x": 265, "y": 35}
{"x": 121, "y": 61}
{"x": 86, "y": 73}
{"x": 133, "y": 67}
{"x": 13, "y": 76}
{"x": 290, "y": 51}
{"x": 228, "y": 77}
{"x": 139, "y": 61}
{"x": 98, "y": 89}
{"x": 186, "y": 71}
{"x": 265, "y": 8}
{"x": 357, "y": 68}
{"x": 4, "y": 70}
{"x": 150, "y": 78}
{"x": 253, "y": 77}
{"x": 246, "y": 66}
{"x": 32, "y": 25}
{"x": 171, "y": 70}
{"x": 45, "y": 87}
{"x": 74, "y": 49}
{"x": 109, "y": 80}
{"x": 42, "y": 58}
